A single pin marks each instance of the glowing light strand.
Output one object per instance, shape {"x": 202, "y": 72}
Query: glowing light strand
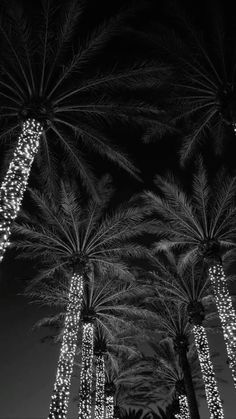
{"x": 86, "y": 375}
{"x": 184, "y": 408}
{"x": 109, "y": 411}
{"x": 212, "y": 394}
{"x": 100, "y": 387}
{"x": 226, "y": 313}
{"x": 15, "y": 182}
{"x": 60, "y": 397}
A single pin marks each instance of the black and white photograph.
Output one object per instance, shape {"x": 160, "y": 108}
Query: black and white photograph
{"x": 117, "y": 209}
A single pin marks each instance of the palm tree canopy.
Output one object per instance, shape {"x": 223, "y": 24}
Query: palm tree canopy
{"x": 190, "y": 285}
{"x": 67, "y": 232}
{"x": 201, "y": 223}
{"x": 51, "y": 71}
{"x": 168, "y": 368}
{"x": 164, "y": 374}
{"x": 114, "y": 347}
{"x": 202, "y": 83}
{"x": 167, "y": 318}
{"x": 130, "y": 389}
{"x": 135, "y": 414}
{"x": 104, "y": 304}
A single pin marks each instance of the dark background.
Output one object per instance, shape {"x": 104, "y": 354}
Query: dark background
{"x": 27, "y": 367}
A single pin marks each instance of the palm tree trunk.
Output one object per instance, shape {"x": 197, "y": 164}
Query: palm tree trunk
{"x": 183, "y": 408}
{"x": 212, "y": 394}
{"x": 116, "y": 412}
{"x": 15, "y": 182}
{"x": 60, "y": 397}
{"x": 109, "y": 411}
{"x": 86, "y": 374}
{"x": 188, "y": 382}
{"x": 100, "y": 387}
{"x": 226, "y": 312}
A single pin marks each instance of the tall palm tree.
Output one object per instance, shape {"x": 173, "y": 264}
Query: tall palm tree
{"x": 169, "y": 376}
{"x": 192, "y": 288}
{"x": 166, "y": 377}
{"x": 202, "y": 84}
{"x": 108, "y": 349}
{"x": 170, "y": 319}
{"x": 57, "y": 98}
{"x": 202, "y": 224}
{"x": 125, "y": 385}
{"x": 105, "y": 312}
{"x": 110, "y": 390}
{"x": 163, "y": 370}
{"x": 74, "y": 239}
{"x": 110, "y": 343}
{"x": 100, "y": 349}
{"x": 104, "y": 305}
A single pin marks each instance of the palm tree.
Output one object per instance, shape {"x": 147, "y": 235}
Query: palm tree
{"x": 111, "y": 350}
{"x": 135, "y": 414}
{"x": 169, "y": 377}
{"x": 168, "y": 413}
{"x": 202, "y": 225}
{"x": 110, "y": 390}
{"x": 125, "y": 385}
{"x": 104, "y": 305}
{"x": 70, "y": 237}
{"x": 202, "y": 83}
{"x": 100, "y": 348}
{"x": 55, "y": 97}
{"x": 170, "y": 319}
{"x": 166, "y": 378}
{"x": 192, "y": 288}
{"x": 86, "y": 375}
{"x": 183, "y": 408}
{"x": 109, "y": 346}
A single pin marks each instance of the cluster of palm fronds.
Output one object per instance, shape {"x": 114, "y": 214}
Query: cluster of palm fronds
{"x": 137, "y": 287}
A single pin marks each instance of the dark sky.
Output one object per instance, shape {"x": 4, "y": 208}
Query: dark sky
{"x": 27, "y": 367}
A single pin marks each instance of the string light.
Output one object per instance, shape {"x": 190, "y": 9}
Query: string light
{"x": 183, "y": 408}
{"x": 109, "y": 414}
{"x": 60, "y": 397}
{"x": 226, "y": 313}
{"x": 86, "y": 375}
{"x": 212, "y": 393}
{"x": 15, "y": 182}
{"x": 100, "y": 387}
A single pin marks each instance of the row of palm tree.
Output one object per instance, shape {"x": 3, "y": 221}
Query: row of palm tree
{"x": 87, "y": 252}
{"x": 79, "y": 240}
{"x": 175, "y": 303}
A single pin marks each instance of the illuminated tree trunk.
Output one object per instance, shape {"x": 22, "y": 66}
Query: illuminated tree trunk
{"x": 109, "y": 411}
{"x": 183, "y": 408}
{"x": 181, "y": 346}
{"x": 212, "y": 394}
{"x": 15, "y": 182}
{"x": 100, "y": 387}
{"x": 60, "y": 397}
{"x": 86, "y": 375}
{"x": 226, "y": 312}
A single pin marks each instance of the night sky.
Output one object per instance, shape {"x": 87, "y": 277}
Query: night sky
{"x": 28, "y": 367}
